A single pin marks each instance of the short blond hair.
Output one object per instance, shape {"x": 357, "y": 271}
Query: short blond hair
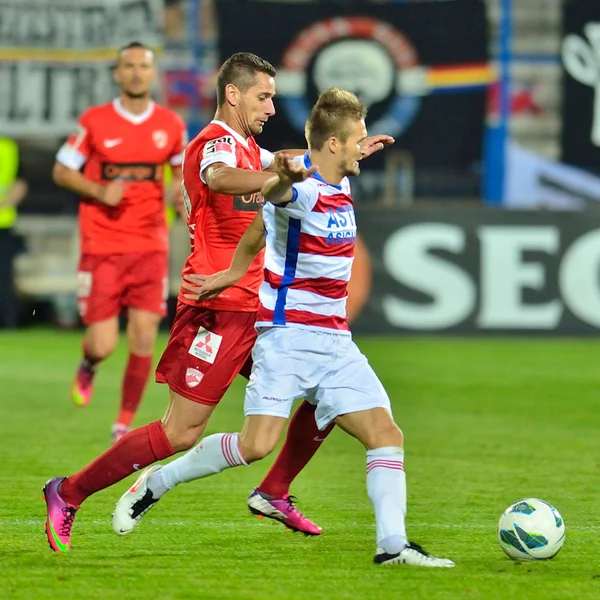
{"x": 331, "y": 116}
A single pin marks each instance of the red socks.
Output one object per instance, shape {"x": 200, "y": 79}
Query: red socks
{"x": 302, "y": 441}
{"x": 135, "y": 379}
{"x": 134, "y": 451}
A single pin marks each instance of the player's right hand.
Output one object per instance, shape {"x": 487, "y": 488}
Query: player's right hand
{"x": 291, "y": 171}
{"x": 112, "y": 193}
{"x": 205, "y": 287}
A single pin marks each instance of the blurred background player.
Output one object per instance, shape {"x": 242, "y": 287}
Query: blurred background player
{"x": 210, "y": 342}
{"x": 304, "y": 347}
{"x": 13, "y": 190}
{"x": 122, "y": 147}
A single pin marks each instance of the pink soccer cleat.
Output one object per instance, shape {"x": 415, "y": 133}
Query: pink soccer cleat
{"x": 60, "y": 517}
{"x": 282, "y": 510}
{"x": 83, "y": 386}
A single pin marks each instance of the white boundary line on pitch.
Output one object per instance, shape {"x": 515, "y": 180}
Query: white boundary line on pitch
{"x": 155, "y": 523}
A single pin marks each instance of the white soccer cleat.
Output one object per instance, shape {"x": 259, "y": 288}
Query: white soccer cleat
{"x": 134, "y": 504}
{"x": 412, "y": 555}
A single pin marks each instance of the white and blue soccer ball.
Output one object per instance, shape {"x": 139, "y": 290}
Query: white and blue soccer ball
{"x": 531, "y": 529}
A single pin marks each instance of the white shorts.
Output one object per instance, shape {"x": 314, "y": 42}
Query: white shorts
{"x": 327, "y": 369}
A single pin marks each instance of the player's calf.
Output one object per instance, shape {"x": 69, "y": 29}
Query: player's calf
{"x": 259, "y": 436}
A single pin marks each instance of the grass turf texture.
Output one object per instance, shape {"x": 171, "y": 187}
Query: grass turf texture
{"x": 486, "y": 422}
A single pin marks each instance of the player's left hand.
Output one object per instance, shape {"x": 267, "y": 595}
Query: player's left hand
{"x": 291, "y": 171}
{"x": 375, "y": 143}
{"x": 205, "y": 287}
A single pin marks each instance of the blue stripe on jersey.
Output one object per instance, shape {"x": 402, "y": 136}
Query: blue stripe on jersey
{"x": 289, "y": 271}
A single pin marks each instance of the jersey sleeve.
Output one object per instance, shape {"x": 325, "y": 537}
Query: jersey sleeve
{"x": 304, "y": 198}
{"x": 75, "y": 152}
{"x": 181, "y": 142}
{"x": 266, "y": 158}
{"x": 218, "y": 150}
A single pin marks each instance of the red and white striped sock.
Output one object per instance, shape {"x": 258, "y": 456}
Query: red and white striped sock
{"x": 212, "y": 455}
{"x": 386, "y": 487}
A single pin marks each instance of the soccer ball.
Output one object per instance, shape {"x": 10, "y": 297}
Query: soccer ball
{"x": 531, "y": 529}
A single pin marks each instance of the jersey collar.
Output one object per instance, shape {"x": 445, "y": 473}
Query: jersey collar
{"x": 308, "y": 165}
{"x": 128, "y": 116}
{"x": 234, "y": 133}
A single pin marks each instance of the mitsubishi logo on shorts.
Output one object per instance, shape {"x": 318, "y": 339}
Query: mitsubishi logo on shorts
{"x": 206, "y": 345}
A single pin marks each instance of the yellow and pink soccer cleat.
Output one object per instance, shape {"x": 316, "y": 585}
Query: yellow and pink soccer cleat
{"x": 60, "y": 517}
{"x": 83, "y": 386}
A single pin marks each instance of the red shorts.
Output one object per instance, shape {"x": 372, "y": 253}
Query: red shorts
{"x": 206, "y": 350}
{"x": 109, "y": 282}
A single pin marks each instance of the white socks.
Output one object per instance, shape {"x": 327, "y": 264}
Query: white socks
{"x": 386, "y": 487}
{"x": 213, "y": 454}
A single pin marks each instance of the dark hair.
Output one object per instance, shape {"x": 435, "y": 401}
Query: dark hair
{"x": 331, "y": 116}
{"x": 130, "y": 46}
{"x": 240, "y": 69}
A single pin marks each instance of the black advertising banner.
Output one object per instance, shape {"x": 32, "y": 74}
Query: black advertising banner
{"x": 580, "y": 50}
{"x": 421, "y": 68}
{"x": 478, "y": 272}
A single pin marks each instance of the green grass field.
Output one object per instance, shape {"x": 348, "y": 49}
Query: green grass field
{"x": 486, "y": 422}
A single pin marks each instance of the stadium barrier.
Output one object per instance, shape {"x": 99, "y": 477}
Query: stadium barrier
{"x": 478, "y": 272}
{"x": 439, "y": 271}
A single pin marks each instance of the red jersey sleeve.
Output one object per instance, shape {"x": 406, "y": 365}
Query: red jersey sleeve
{"x": 218, "y": 150}
{"x": 75, "y": 152}
{"x": 181, "y": 141}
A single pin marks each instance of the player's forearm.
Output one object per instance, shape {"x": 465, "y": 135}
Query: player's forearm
{"x": 250, "y": 244}
{"x": 227, "y": 180}
{"x": 76, "y": 182}
{"x": 277, "y": 190}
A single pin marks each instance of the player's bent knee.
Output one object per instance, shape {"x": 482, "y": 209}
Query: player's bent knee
{"x": 101, "y": 348}
{"x": 142, "y": 342}
{"x": 388, "y": 436}
{"x": 256, "y": 449}
{"x": 183, "y": 439}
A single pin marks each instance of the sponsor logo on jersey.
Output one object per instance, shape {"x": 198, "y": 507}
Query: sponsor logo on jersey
{"x": 112, "y": 143}
{"x": 222, "y": 144}
{"x": 248, "y": 202}
{"x": 132, "y": 172}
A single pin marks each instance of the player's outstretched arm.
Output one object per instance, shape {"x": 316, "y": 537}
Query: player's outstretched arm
{"x": 374, "y": 143}
{"x": 73, "y": 180}
{"x": 278, "y": 189}
{"x": 223, "y": 179}
{"x": 292, "y": 153}
{"x": 203, "y": 287}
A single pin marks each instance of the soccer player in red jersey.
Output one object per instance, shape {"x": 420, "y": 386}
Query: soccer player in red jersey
{"x": 210, "y": 342}
{"x": 115, "y": 161}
